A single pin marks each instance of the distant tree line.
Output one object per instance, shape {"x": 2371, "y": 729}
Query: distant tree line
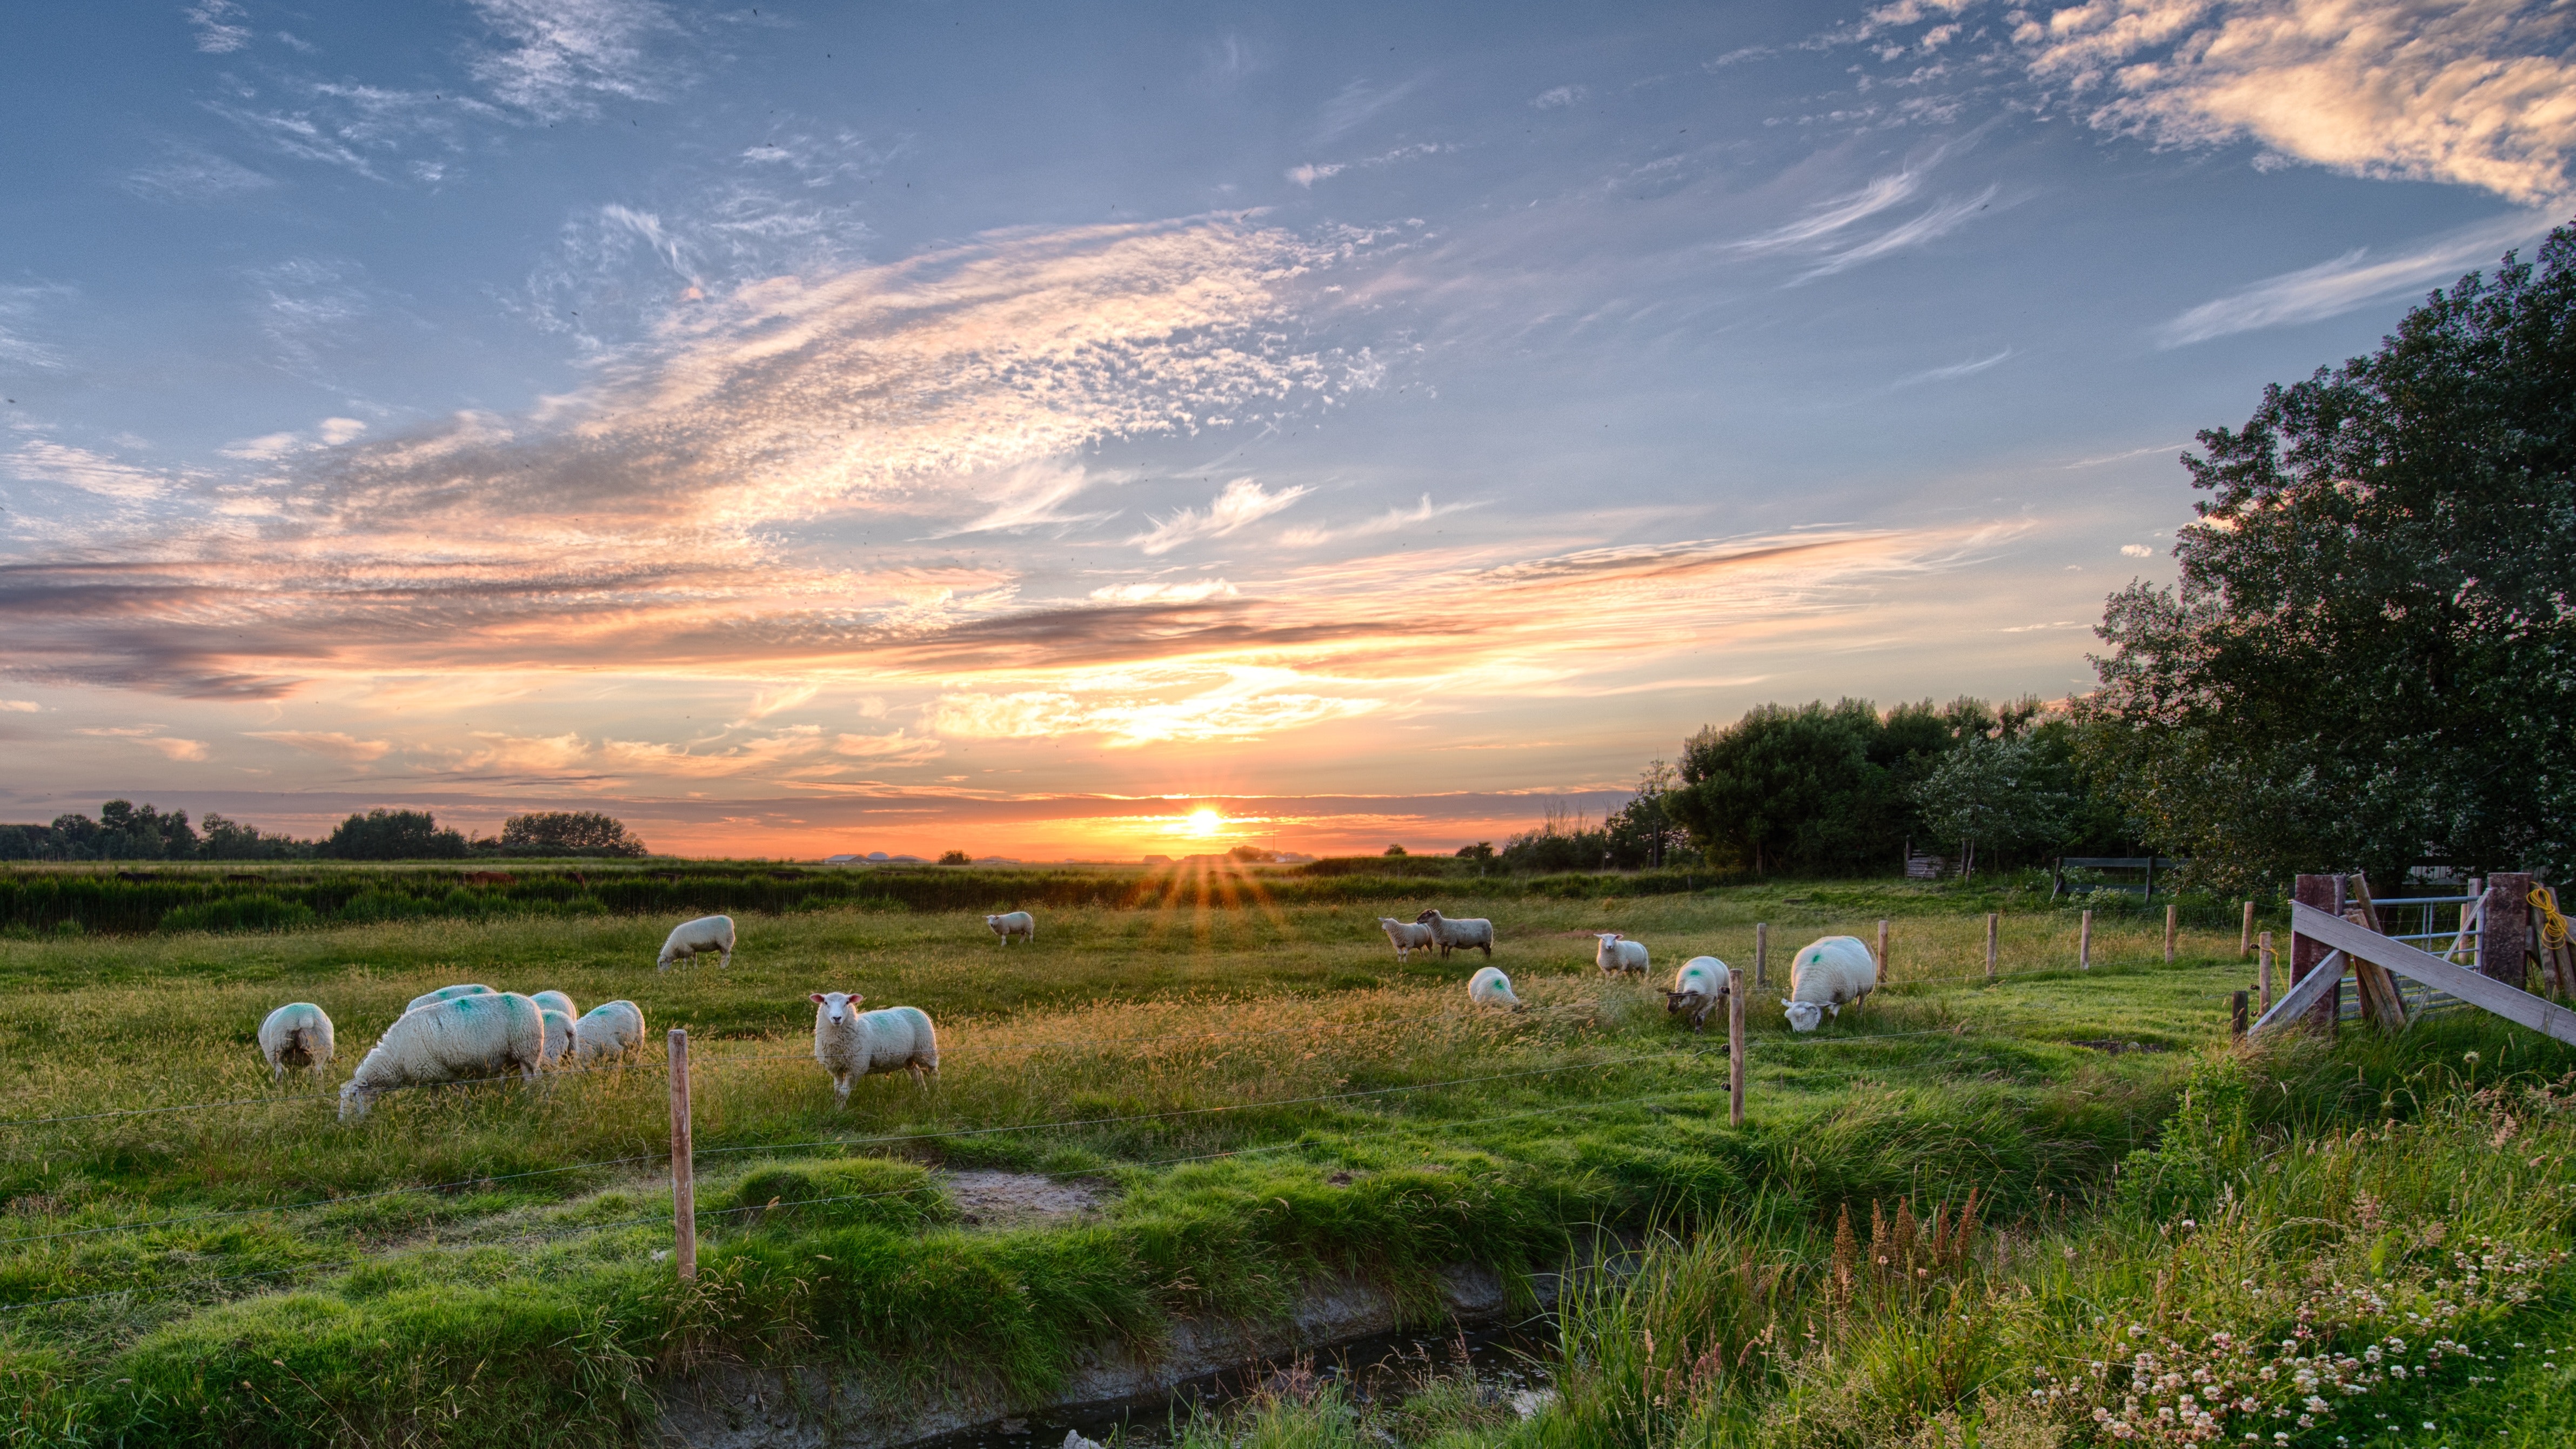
{"x": 126, "y": 831}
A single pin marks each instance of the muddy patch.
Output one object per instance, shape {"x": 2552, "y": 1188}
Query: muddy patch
{"x": 1014, "y": 1199}
{"x": 2115, "y": 1047}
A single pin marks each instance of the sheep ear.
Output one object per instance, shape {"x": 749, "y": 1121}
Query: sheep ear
{"x": 856, "y": 998}
{"x": 1784, "y": 1001}
{"x": 816, "y": 998}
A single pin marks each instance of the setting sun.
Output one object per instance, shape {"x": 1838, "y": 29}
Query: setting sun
{"x": 1204, "y": 822}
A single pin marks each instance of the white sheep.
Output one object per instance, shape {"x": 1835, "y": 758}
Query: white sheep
{"x": 471, "y": 1037}
{"x": 1826, "y": 975}
{"x": 445, "y": 993}
{"x": 1616, "y": 953}
{"x": 1014, "y": 923}
{"x": 1701, "y": 984}
{"x": 556, "y": 1001}
{"x": 1490, "y": 987}
{"x": 297, "y": 1034}
{"x": 854, "y": 1043}
{"x": 1407, "y": 936}
{"x": 691, "y": 939}
{"x": 1458, "y": 935}
{"x": 612, "y": 1029}
{"x": 559, "y": 1036}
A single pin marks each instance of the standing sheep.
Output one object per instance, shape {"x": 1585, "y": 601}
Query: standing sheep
{"x": 445, "y": 993}
{"x": 1490, "y": 987}
{"x": 1407, "y": 936}
{"x": 468, "y": 1038}
{"x": 556, "y": 1001}
{"x": 1825, "y": 976}
{"x": 297, "y": 1034}
{"x": 559, "y": 1037}
{"x": 854, "y": 1043}
{"x": 691, "y": 939}
{"x": 1702, "y": 983}
{"x": 1015, "y": 923}
{"x": 1616, "y": 954}
{"x": 612, "y": 1029}
{"x": 1458, "y": 935}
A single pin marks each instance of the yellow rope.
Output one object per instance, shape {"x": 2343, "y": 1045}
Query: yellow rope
{"x": 2553, "y": 926}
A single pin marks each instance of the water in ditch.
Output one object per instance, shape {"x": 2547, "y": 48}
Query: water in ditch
{"x": 1508, "y": 1361}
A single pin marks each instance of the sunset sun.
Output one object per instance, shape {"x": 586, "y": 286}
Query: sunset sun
{"x": 1204, "y": 822}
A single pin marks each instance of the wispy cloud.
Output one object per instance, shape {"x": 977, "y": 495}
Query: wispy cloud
{"x": 188, "y": 174}
{"x": 330, "y": 744}
{"x": 1356, "y": 102}
{"x": 219, "y": 26}
{"x": 562, "y": 57}
{"x": 2481, "y": 93}
{"x": 1833, "y": 214}
{"x": 42, "y": 460}
{"x": 1240, "y": 502}
{"x": 170, "y": 747}
{"x": 2355, "y": 279}
{"x": 1030, "y": 495}
{"x": 1938, "y": 222}
{"x": 1307, "y": 175}
{"x": 1954, "y": 371}
{"x": 1391, "y": 521}
{"x": 1558, "y": 97}
{"x": 1173, "y": 591}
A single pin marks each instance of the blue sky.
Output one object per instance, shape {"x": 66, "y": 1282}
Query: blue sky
{"x": 809, "y": 427}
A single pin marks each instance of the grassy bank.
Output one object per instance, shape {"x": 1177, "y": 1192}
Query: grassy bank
{"x": 1257, "y": 1096}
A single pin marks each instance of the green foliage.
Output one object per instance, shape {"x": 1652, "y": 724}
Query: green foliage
{"x": 2204, "y": 1141}
{"x": 2371, "y": 653}
{"x": 569, "y": 832}
{"x": 845, "y": 1193}
{"x": 382, "y": 834}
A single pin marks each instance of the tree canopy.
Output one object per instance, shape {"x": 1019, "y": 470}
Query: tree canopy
{"x": 2369, "y": 659}
{"x": 569, "y": 832}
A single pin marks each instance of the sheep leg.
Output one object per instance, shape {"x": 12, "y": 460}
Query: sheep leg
{"x": 1487, "y": 947}
{"x": 841, "y": 1089}
{"x": 918, "y": 1078}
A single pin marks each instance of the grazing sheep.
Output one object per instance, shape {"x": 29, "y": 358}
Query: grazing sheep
{"x": 1408, "y": 937}
{"x": 559, "y": 1037}
{"x": 297, "y": 1034}
{"x": 691, "y": 939}
{"x": 1015, "y": 923}
{"x": 854, "y": 1043}
{"x": 1616, "y": 953}
{"x": 613, "y": 1029}
{"x": 1702, "y": 983}
{"x": 470, "y": 1037}
{"x": 1490, "y": 987}
{"x": 556, "y": 1001}
{"x": 1824, "y": 976}
{"x": 1458, "y": 935}
{"x": 445, "y": 993}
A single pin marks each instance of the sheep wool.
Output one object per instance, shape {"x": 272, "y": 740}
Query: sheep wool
{"x": 1698, "y": 987}
{"x": 1825, "y": 976}
{"x": 559, "y": 1037}
{"x": 614, "y": 1030}
{"x": 1490, "y": 987}
{"x": 556, "y": 1001}
{"x": 1407, "y": 936}
{"x": 854, "y": 1043}
{"x": 1452, "y": 935}
{"x": 691, "y": 939}
{"x": 1616, "y": 953}
{"x": 471, "y": 1037}
{"x": 1013, "y": 923}
{"x": 297, "y": 1034}
{"x": 445, "y": 993}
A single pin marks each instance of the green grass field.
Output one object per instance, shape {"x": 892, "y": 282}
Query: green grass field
{"x": 1261, "y": 1095}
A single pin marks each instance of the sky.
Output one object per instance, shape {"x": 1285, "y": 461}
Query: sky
{"x": 806, "y": 428}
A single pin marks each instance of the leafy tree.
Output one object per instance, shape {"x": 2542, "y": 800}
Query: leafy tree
{"x": 955, "y": 857}
{"x": 2370, "y": 657}
{"x": 228, "y": 839}
{"x": 1395, "y": 850}
{"x": 1482, "y": 852}
{"x": 382, "y": 834}
{"x": 1789, "y": 788}
{"x": 1993, "y": 793}
{"x": 568, "y": 832}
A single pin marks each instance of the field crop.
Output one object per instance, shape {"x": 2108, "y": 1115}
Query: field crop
{"x": 1256, "y": 1096}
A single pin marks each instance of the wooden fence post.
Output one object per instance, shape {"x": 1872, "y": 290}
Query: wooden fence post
{"x": 1735, "y": 1058}
{"x": 2236, "y": 1017}
{"x": 2245, "y": 940}
{"x": 2084, "y": 943}
{"x": 684, "y": 1186}
{"x": 2504, "y": 927}
{"x": 2263, "y": 972}
{"x": 2324, "y": 893}
{"x": 2170, "y": 921}
{"x": 1992, "y": 918}
{"x": 1882, "y": 951}
{"x": 1762, "y": 955}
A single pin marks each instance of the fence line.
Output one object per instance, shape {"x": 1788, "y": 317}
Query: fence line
{"x": 548, "y": 1074}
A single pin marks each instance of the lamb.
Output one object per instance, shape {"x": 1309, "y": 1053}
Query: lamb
{"x": 1490, "y": 987}
{"x": 1616, "y": 953}
{"x": 854, "y": 1043}
{"x": 695, "y": 938}
{"x": 297, "y": 1034}
{"x": 612, "y": 1029}
{"x": 559, "y": 1037}
{"x": 1702, "y": 983}
{"x": 1408, "y": 937}
{"x": 556, "y": 1001}
{"x": 445, "y": 993}
{"x": 1459, "y": 935}
{"x": 1824, "y": 976}
{"x": 470, "y": 1037}
{"x": 1015, "y": 923}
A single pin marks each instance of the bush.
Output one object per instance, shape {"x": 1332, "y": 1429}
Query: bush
{"x": 240, "y": 913}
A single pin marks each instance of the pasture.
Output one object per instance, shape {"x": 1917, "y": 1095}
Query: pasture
{"x": 1250, "y": 1098}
